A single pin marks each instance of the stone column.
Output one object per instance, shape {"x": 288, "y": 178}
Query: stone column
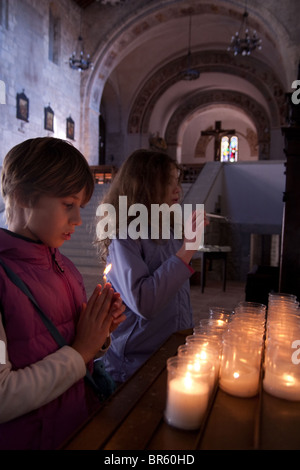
{"x": 290, "y": 248}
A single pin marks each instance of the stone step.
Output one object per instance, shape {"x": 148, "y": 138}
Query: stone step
{"x": 84, "y": 250}
{"x": 80, "y": 248}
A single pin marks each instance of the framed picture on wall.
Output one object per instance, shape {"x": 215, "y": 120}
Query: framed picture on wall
{"x": 70, "y": 131}
{"x": 22, "y": 106}
{"x": 49, "y": 118}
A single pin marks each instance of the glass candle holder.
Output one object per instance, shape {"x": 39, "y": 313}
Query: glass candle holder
{"x": 282, "y": 369}
{"x": 253, "y": 305}
{"x": 220, "y": 313}
{"x": 188, "y": 393}
{"x": 254, "y": 315}
{"x": 283, "y": 310}
{"x": 204, "y": 339}
{"x": 204, "y": 354}
{"x": 240, "y": 366}
{"x": 281, "y": 327}
{"x": 281, "y": 296}
{"x": 248, "y": 328}
{"x": 212, "y": 326}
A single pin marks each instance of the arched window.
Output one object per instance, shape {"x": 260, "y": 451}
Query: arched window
{"x": 229, "y": 149}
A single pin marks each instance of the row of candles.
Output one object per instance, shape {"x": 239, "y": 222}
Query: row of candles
{"x": 281, "y": 363}
{"x": 228, "y": 350}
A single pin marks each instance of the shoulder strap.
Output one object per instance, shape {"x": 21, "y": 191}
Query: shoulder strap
{"x": 47, "y": 322}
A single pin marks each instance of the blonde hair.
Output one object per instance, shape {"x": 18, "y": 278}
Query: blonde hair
{"x": 43, "y": 166}
{"x": 143, "y": 178}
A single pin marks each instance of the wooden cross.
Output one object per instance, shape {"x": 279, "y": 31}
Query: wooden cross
{"x": 218, "y": 133}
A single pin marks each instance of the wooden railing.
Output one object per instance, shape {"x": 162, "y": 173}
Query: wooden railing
{"x": 103, "y": 173}
{"x": 106, "y": 173}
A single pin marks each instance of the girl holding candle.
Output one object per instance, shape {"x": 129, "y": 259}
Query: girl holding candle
{"x": 43, "y": 395}
{"x": 152, "y": 276}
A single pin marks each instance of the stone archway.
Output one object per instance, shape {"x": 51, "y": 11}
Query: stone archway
{"x": 257, "y": 73}
{"x": 252, "y": 108}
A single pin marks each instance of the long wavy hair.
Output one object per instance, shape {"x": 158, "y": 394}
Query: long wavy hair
{"x": 143, "y": 178}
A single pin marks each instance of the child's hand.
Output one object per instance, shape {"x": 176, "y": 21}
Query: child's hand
{"x": 194, "y": 229}
{"x": 117, "y": 309}
{"x": 193, "y": 235}
{"x": 95, "y": 322}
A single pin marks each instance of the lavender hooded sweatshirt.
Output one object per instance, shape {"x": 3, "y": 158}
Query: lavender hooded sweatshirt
{"x": 154, "y": 285}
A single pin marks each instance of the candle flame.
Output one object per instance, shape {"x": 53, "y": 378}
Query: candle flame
{"x": 195, "y": 366}
{"x": 188, "y": 381}
{"x": 203, "y": 355}
{"x": 236, "y": 375}
{"x": 289, "y": 380}
{"x": 106, "y": 271}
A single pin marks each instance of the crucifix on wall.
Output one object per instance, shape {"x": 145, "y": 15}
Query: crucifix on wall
{"x": 218, "y": 133}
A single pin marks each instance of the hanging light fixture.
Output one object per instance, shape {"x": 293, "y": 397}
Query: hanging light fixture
{"x": 189, "y": 73}
{"x": 78, "y": 60}
{"x": 243, "y": 42}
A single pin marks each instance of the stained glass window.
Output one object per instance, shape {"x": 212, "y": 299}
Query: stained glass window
{"x": 229, "y": 149}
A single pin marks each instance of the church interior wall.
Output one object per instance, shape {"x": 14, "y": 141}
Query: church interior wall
{"x": 25, "y": 65}
{"x": 250, "y": 195}
{"x": 46, "y": 82}
{"x": 253, "y": 192}
{"x": 198, "y": 150}
{"x": 120, "y": 80}
{"x": 127, "y": 50}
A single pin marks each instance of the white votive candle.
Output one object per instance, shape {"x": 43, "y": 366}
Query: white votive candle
{"x": 282, "y": 385}
{"x": 240, "y": 383}
{"x": 187, "y": 400}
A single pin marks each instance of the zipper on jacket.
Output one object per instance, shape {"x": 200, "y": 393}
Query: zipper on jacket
{"x": 64, "y": 277}
{"x": 57, "y": 263}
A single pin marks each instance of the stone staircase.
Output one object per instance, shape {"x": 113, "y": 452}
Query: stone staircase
{"x": 80, "y": 249}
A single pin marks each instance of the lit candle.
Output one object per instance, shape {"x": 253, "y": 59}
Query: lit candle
{"x": 282, "y": 384}
{"x": 187, "y": 401}
{"x": 206, "y": 358}
{"x": 106, "y": 271}
{"x": 200, "y": 364}
{"x": 240, "y": 383}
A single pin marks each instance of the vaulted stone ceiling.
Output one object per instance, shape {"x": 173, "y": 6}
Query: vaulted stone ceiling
{"x": 135, "y": 77}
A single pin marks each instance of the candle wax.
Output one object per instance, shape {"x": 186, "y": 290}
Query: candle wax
{"x": 186, "y": 403}
{"x": 240, "y": 383}
{"x": 282, "y": 385}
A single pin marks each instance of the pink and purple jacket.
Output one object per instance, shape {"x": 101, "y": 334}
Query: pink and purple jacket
{"x": 42, "y": 390}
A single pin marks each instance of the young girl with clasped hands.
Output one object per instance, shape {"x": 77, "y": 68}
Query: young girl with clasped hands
{"x": 152, "y": 275}
{"x": 43, "y": 395}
